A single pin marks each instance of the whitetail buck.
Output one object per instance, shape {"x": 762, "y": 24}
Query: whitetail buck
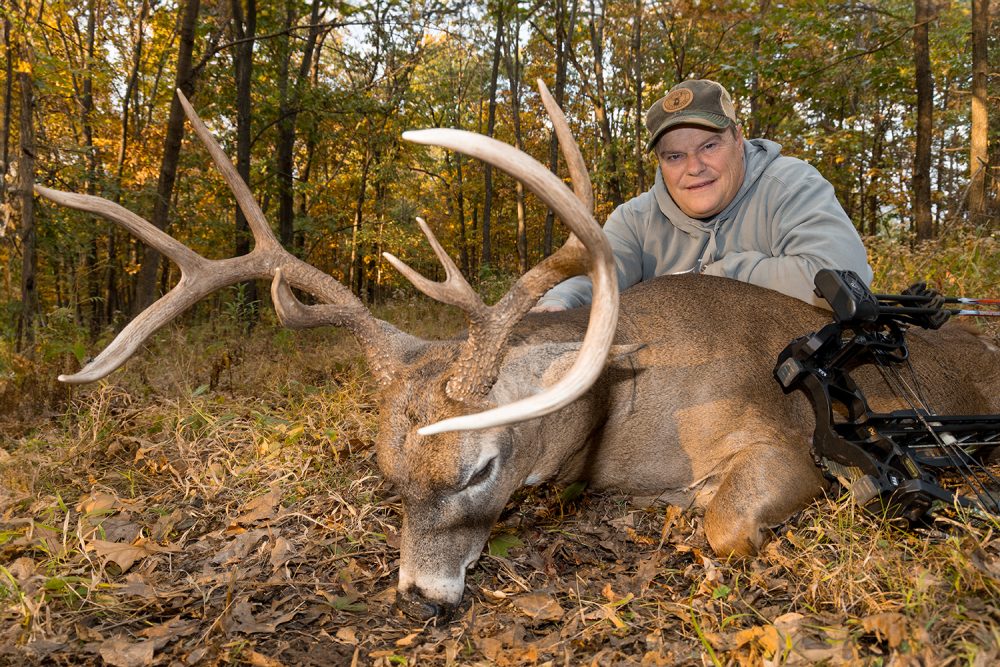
{"x": 685, "y": 409}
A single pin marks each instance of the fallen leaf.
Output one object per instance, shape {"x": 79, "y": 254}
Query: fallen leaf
{"x": 347, "y": 635}
{"x": 889, "y": 626}
{"x": 87, "y": 634}
{"x": 260, "y": 660}
{"x": 281, "y": 552}
{"x": 648, "y": 570}
{"x": 120, "y": 652}
{"x": 165, "y": 525}
{"x": 261, "y": 507}
{"x": 347, "y": 603}
{"x": 135, "y": 585}
{"x": 122, "y": 554}
{"x": 240, "y": 618}
{"x": 539, "y": 606}
{"x": 765, "y": 636}
{"x": 170, "y": 631}
{"x": 408, "y": 639}
{"x": 503, "y": 543}
{"x": 239, "y": 547}
{"x": 491, "y": 647}
{"x": 22, "y": 569}
{"x": 97, "y": 502}
{"x": 612, "y": 616}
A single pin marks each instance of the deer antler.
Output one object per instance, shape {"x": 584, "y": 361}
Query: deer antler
{"x": 382, "y": 343}
{"x": 476, "y": 368}
{"x": 454, "y": 291}
{"x": 200, "y": 276}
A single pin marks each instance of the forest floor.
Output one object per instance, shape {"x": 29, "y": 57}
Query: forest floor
{"x": 217, "y": 502}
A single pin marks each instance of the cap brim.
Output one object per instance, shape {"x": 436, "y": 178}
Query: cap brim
{"x": 710, "y": 120}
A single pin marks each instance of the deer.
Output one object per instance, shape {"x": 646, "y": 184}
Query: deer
{"x": 664, "y": 390}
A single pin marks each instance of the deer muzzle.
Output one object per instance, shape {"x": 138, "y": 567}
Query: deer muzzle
{"x": 432, "y": 570}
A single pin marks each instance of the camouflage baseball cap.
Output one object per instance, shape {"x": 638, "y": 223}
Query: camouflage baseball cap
{"x": 696, "y": 102}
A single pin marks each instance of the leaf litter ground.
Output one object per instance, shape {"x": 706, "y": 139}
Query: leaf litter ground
{"x": 217, "y": 502}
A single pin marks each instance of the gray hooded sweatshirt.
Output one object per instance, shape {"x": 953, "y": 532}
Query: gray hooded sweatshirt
{"x": 783, "y": 226}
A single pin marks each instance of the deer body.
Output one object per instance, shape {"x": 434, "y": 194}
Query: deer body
{"x": 693, "y": 417}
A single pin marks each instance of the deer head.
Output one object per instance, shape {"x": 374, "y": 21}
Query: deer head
{"x": 449, "y": 417}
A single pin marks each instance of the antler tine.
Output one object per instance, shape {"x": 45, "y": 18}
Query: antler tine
{"x": 455, "y": 290}
{"x": 259, "y": 226}
{"x": 604, "y": 311}
{"x": 381, "y": 342}
{"x": 578, "y": 173}
{"x": 186, "y": 259}
{"x": 166, "y": 308}
{"x": 294, "y": 314}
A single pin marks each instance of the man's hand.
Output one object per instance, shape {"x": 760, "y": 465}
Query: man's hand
{"x": 546, "y": 308}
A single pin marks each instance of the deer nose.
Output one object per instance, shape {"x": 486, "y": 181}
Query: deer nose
{"x": 419, "y": 608}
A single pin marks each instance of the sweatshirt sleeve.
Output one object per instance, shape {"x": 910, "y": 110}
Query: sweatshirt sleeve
{"x": 809, "y": 231}
{"x": 624, "y": 238}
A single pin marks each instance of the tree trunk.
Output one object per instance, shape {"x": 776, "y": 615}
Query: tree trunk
{"x": 245, "y": 32}
{"x": 755, "y": 121}
{"x": 8, "y": 95}
{"x": 146, "y": 285}
{"x": 564, "y": 46}
{"x": 637, "y": 78}
{"x": 923, "y": 15}
{"x": 26, "y": 178}
{"x": 512, "y": 63}
{"x": 357, "y": 268}
{"x": 491, "y": 115}
{"x": 463, "y": 248}
{"x": 90, "y": 272}
{"x": 113, "y": 295}
{"x": 600, "y": 100}
{"x": 980, "y": 130}
{"x": 287, "y": 115}
{"x": 871, "y": 202}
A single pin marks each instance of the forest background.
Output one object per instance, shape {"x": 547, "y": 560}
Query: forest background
{"x": 891, "y": 100}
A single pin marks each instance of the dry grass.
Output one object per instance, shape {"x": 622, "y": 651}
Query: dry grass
{"x": 217, "y": 502}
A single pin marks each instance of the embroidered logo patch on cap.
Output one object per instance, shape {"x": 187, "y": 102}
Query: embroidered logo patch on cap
{"x": 677, "y": 100}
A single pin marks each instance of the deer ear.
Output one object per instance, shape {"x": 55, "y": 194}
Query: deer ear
{"x": 529, "y": 369}
{"x": 621, "y": 352}
{"x": 560, "y": 356}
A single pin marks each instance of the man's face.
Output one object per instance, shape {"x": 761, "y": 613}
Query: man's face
{"x": 702, "y": 168}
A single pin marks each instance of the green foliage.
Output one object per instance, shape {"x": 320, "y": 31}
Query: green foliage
{"x": 501, "y": 544}
{"x": 961, "y": 264}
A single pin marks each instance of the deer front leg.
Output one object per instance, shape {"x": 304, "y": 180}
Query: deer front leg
{"x": 767, "y": 481}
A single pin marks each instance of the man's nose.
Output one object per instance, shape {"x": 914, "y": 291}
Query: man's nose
{"x": 694, "y": 164}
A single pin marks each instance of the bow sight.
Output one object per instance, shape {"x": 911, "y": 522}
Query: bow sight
{"x": 904, "y": 463}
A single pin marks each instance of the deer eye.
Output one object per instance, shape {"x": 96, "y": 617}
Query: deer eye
{"x": 482, "y": 474}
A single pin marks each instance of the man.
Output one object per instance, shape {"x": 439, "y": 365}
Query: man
{"x": 723, "y": 206}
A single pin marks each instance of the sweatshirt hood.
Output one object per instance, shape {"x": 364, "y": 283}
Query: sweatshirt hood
{"x": 757, "y": 155}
